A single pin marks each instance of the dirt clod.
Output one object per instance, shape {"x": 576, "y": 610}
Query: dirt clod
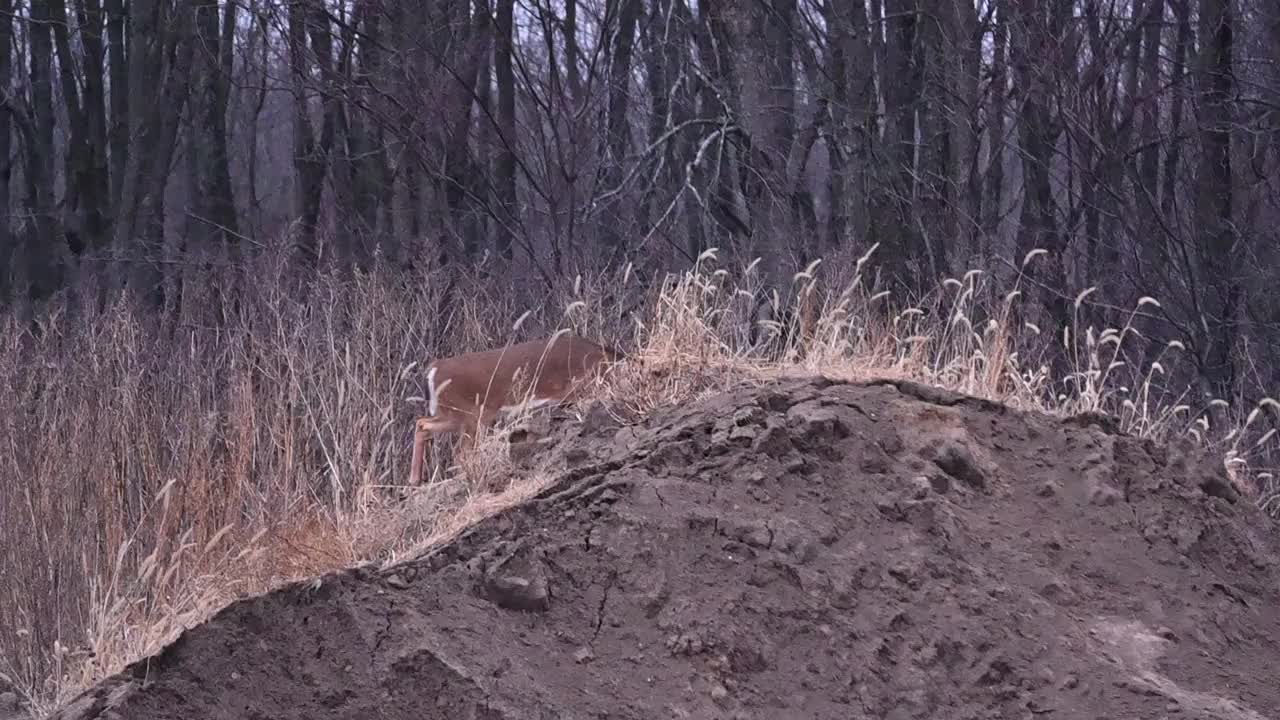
{"x": 922, "y": 487}
{"x": 810, "y": 550}
{"x": 957, "y": 461}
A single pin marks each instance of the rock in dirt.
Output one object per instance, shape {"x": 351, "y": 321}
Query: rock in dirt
{"x": 807, "y": 550}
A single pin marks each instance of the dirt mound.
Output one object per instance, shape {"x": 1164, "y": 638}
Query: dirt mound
{"x": 810, "y": 550}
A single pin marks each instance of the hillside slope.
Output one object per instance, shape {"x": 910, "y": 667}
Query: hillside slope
{"x": 807, "y": 550}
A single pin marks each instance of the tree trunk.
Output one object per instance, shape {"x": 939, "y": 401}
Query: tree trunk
{"x": 658, "y": 63}
{"x": 43, "y": 251}
{"x": 715, "y": 171}
{"x": 571, "y": 51}
{"x": 310, "y": 159}
{"x": 460, "y": 171}
{"x": 1149, "y": 159}
{"x": 371, "y": 171}
{"x": 87, "y": 185}
{"x": 1215, "y": 199}
{"x": 214, "y": 203}
{"x": 892, "y": 206}
{"x": 687, "y": 170}
{"x": 962, "y": 71}
{"x": 333, "y": 123}
{"x": 120, "y": 121}
{"x": 506, "y": 161}
{"x": 1177, "y": 84}
{"x": 618, "y": 140}
{"x": 160, "y": 57}
{"x": 1036, "y": 61}
{"x": 7, "y": 249}
{"x": 485, "y": 134}
{"x": 993, "y": 201}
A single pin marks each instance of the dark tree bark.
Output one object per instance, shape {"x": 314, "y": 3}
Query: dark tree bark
{"x": 960, "y": 98}
{"x": 258, "y": 46}
{"x": 461, "y": 176}
{"x": 786, "y": 143}
{"x": 1094, "y": 157}
{"x": 762, "y": 37}
{"x": 310, "y": 157}
{"x": 572, "y": 52}
{"x": 659, "y": 65}
{"x": 891, "y": 208}
{"x": 1148, "y": 93}
{"x": 1173, "y": 155}
{"x": 934, "y": 58}
{"x": 1037, "y": 55}
{"x": 43, "y": 251}
{"x": 366, "y": 143}
{"x": 333, "y": 124}
{"x": 85, "y": 218}
{"x": 7, "y": 249}
{"x": 159, "y": 73}
{"x": 667, "y": 30}
{"x": 119, "y": 117}
{"x": 505, "y": 166}
{"x": 993, "y": 200}
{"x": 213, "y": 202}
{"x": 618, "y": 133}
{"x": 839, "y": 18}
{"x": 717, "y": 168}
{"x": 1220, "y": 255}
{"x": 852, "y": 61}
{"x": 486, "y": 135}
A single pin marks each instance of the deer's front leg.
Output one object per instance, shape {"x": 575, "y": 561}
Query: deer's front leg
{"x": 420, "y": 437}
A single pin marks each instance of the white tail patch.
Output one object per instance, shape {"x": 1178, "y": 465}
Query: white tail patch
{"x": 433, "y": 406}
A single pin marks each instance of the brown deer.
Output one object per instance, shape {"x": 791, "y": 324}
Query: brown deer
{"x": 467, "y": 392}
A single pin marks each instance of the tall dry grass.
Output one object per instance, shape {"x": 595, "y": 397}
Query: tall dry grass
{"x": 155, "y": 465}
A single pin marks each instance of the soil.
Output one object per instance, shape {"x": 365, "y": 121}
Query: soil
{"x": 807, "y": 550}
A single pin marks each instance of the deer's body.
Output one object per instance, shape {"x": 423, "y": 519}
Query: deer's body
{"x": 467, "y": 392}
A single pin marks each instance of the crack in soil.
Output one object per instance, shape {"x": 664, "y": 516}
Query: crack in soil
{"x": 604, "y": 600}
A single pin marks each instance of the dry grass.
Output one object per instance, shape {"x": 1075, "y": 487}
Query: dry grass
{"x": 156, "y": 466}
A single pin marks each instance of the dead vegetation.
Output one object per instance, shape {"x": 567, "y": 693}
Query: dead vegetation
{"x": 155, "y": 469}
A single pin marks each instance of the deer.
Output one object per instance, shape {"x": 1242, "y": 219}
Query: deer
{"x": 467, "y": 392}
